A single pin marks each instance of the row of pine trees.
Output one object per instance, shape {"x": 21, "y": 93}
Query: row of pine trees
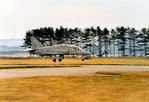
{"x": 121, "y": 41}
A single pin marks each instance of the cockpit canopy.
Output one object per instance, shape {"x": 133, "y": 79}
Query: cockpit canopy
{"x": 73, "y": 47}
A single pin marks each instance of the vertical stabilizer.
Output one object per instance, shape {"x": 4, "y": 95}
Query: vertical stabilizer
{"x": 35, "y": 43}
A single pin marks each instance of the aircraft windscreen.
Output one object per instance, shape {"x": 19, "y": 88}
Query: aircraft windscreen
{"x": 75, "y": 48}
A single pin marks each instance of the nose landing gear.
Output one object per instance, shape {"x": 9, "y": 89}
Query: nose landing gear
{"x": 83, "y": 58}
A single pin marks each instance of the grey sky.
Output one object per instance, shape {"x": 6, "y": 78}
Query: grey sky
{"x": 18, "y": 16}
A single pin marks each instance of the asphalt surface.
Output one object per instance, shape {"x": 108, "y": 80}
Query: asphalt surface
{"x": 74, "y": 71}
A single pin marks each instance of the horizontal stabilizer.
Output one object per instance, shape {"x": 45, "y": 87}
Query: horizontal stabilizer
{"x": 29, "y": 49}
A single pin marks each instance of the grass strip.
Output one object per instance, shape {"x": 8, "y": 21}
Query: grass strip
{"x": 131, "y": 87}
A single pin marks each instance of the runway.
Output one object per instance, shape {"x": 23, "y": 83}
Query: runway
{"x": 74, "y": 71}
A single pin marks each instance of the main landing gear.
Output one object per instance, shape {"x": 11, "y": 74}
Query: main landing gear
{"x": 54, "y": 60}
{"x": 60, "y": 58}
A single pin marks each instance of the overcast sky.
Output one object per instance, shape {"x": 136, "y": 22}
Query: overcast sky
{"x": 18, "y": 16}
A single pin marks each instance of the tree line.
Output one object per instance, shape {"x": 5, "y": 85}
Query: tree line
{"x": 120, "y": 41}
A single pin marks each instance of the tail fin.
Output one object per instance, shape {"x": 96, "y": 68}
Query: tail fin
{"x": 35, "y": 43}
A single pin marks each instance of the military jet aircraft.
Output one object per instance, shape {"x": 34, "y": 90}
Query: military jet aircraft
{"x": 60, "y": 50}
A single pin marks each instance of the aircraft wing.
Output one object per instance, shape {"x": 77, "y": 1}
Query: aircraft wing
{"x": 57, "y": 51}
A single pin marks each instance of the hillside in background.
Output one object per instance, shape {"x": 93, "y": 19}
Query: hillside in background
{"x": 11, "y": 45}
{"x": 12, "y": 48}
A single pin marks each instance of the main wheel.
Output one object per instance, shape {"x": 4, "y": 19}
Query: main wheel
{"x": 54, "y": 60}
{"x": 60, "y": 60}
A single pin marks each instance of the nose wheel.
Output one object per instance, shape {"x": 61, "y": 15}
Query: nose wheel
{"x": 83, "y": 59}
